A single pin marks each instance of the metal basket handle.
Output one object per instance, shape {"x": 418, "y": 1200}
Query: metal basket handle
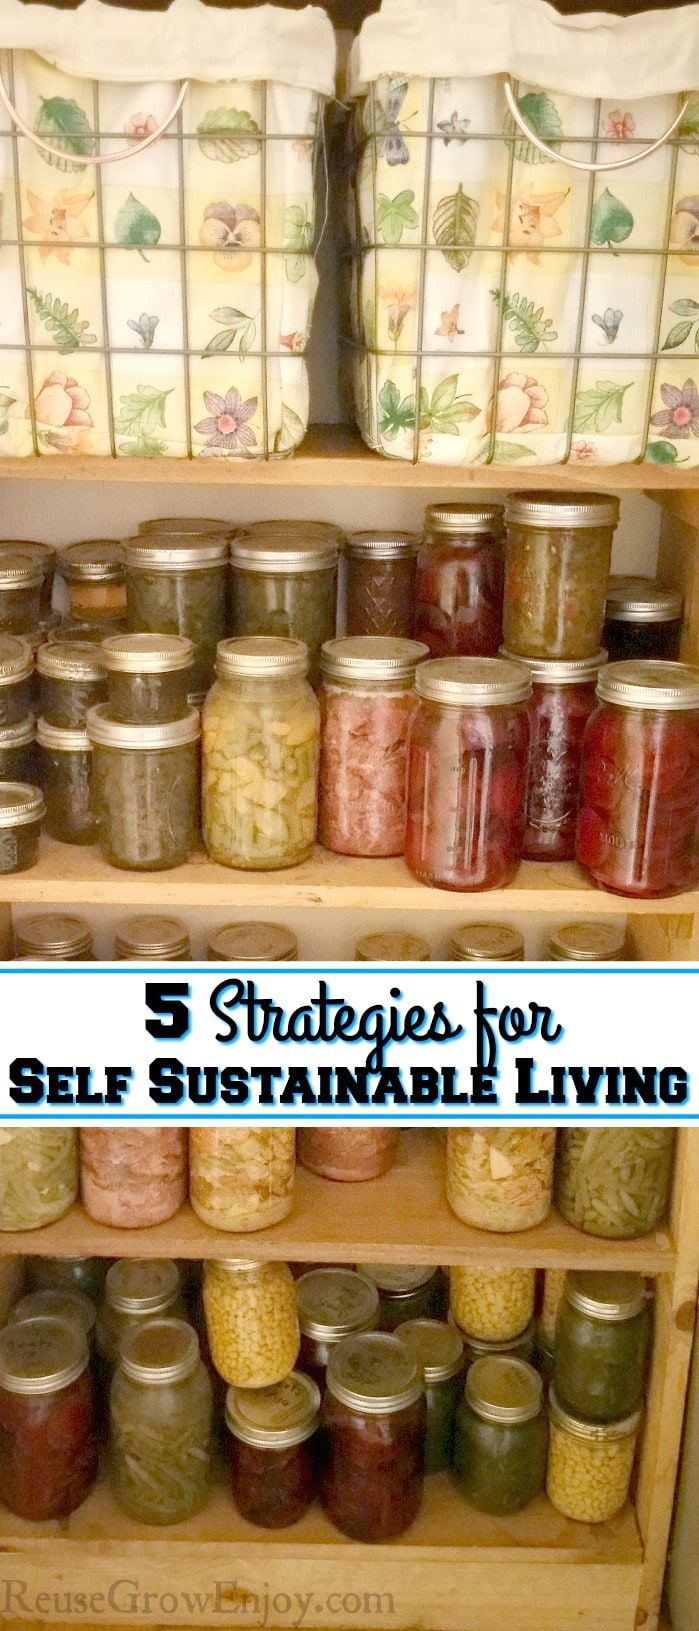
{"x": 584, "y": 164}
{"x": 85, "y": 159}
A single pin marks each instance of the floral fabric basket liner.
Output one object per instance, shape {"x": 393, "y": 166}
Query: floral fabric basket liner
{"x": 156, "y": 269}
{"x": 525, "y": 233}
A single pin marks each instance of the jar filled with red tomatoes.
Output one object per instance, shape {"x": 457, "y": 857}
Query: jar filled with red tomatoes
{"x": 556, "y": 569}
{"x": 48, "y": 1439}
{"x": 467, "y": 770}
{"x": 563, "y": 697}
{"x": 374, "y": 1427}
{"x": 638, "y": 827}
{"x": 460, "y": 580}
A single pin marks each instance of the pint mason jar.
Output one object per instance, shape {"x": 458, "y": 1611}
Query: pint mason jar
{"x": 147, "y": 790}
{"x": 284, "y": 582}
{"x": 137, "y": 1290}
{"x": 562, "y": 700}
{"x": 557, "y": 557}
{"x": 18, "y": 755}
{"x": 439, "y": 1351}
{"x": 367, "y": 701}
{"x": 133, "y": 1178}
{"x": 332, "y": 1304}
{"x": 177, "y": 584}
{"x": 242, "y": 1179}
{"x": 274, "y": 1449}
{"x": 459, "y": 580}
{"x": 589, "y": 1463}
{"x": 251, "y": 1320}
{"x": 380, "y": 583}
{"x": 500, "y": 1178}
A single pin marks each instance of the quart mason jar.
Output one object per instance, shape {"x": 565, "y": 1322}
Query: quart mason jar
{"x": 602, "y": 1343}
{"x": 133, "y": 1178}
{"x": 486, "y": 943}
{"x": 38, "y": 1175}
{"x": 161, "y": 1410}
{"x": 65, "y": 772}
{"x": 500, "y": 1436}
{"x": 21, "y": 580}
{"x": 177, "y": 584}
{"x": 242, "y": 1179}
{"x": 638, "y": 827}
{"x": 332, "y": 1304}
{"x": 467, "y": 767}
{"x": 589, "y": 1463}
{"x": 16, "y": 666}
{"x": 22, "y": 810}
{"x": 374, "y": 1424}
{"x": 641, "y": 620}
{"x": 284, "y": 582}
{"x": 380, "y": 583}
{"x": 557, "y": 558}
{"x": 148, "y": 677}
{"x": 95, "y": 576}
{"x": 48, "y": 1439}
{"x": 500, "y": 1178}
{"x": 146, "y": 781}
{"x": 347, "y": 1155}
{"x": 459, "y": 580}
{"x": 562, "y": 700}
{"x": 152, "y": 938}
{"x": 54, "y": 937}
{"x": 251, "y": 1320}
{"x": 261, "y": 742}
{"x": 367, "y": 701}
{"x": 253, "y": 943}
{"x": 274, "y": 1449}
{"x": 137, "y": 1290}
{"x": 71, "y": 681}
{"x": 439, "y": 1351}
{"x": 18, "y": 756}
{"x": 614, "y": 1181}
{"x": 588, "y": 942}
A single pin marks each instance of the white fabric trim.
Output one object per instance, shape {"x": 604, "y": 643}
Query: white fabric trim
{"x": 596, "y": 54}
{"x": 190, "y": 41}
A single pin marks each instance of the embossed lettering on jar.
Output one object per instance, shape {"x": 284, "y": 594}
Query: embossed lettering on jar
{"x": 459, "y": 583}
{"x": 557, "y": 558}
{"x": 133, "y": 1178}
{"x": 374, "y": 1423}
{"x": 367, "y": 703}
{"x": 562, "y": 700}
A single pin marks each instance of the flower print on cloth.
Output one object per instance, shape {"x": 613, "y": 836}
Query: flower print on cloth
{"x": 609, "y": 322}
{"x": 292, "y": 342}
{"x": 454, "y": 129}
{"x": 399, "y": 299}
{"x": 228, "y": 428}
{"x": 61, "y": 402}
{"x": 521, "y": 401}
{"x": 140, "y": 125}
{"x": 684, "y": 227}
{"x": 583, "y": 452}
{"x": 145, "y": 328}
{"x": 680, "y": 416}
{"x": 56, "y": 217}
{"x": 619, "y": 125}
{"x": 532, "y": 219}
{"x": 449, "y": 326}
{"x": 233, "y": 230}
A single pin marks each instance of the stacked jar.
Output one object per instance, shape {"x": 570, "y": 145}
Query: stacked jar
{"x": 176, "y": 584}
{"x": 137, "y": 1290}
{"x": 94, "y": 576}
{"x": 43, "y": 557}
{"x": 284, "y": 582}
{"x": 17, "y": 759}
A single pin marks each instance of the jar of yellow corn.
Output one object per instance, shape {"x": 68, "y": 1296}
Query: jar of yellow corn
{"x": 251, "y": 1320}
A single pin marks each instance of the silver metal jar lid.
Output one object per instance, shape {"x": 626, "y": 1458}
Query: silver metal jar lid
{"x": 593, "y": 1432}
{"x": 20, "y": 804}
{"x": 279, "y": 555}
{"x": 236, "y": 1265}
{"x": 465, "y": 518}
{"x": 151, "y": 937}
{"x": 373, "y": 1372}
{"x": 191, "y": 553}
{"x": 382, "y": 546}
{"x": 253, "y": 943}
{"x": 255, "y": 656}
{"x": 147, "y": 653}
{"x": 62, "y": 739}
{"x": 72, "y": 1306}
{"x": 437, "y": 1347}
{"x": 640, "y": 600}
{"x": 374, "y": 657}
{"x": 649, "y": 683}
{"x": 142, "y": 1285}
{"x": 17, "y": 736}
{"x": 332, "y": 1303}
{"x": 276, "y": 1417}
{"x": 51, "y": 935}
{"x": 43, "y": 554}
{"x": 41, "y": 1355}
{"x": 185, "y": 526}
{"x": 110, "y": 733}
{"x": 16, "y": 659}
{"x": 392, "y": 946}
{"x": 504, "y": 1389}
{"x": 398, "y": 1279}
{"x": 605, "y": 1295}
{"x": 587, "y": 942}
{"x": 18, "y": 571}
{"x": 70, "y": 660}
{"x": 556, "y": 510}
{"x": 159, "y": 1351}
{"x": 97, "y": 560}
{"x": 552, "y": 672}
{"x": 473, "y": 682}
{"x": 483, "y": 942}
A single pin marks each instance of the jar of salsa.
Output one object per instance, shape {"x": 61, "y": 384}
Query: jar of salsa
{"x": 562, "y": 700}
{"x": 274, "y": 1449}
{"x": 556, "y": 569}
{"x": 374, "y": 1424}
{"x": 133, "y": 1178}
{"x": 460, "y": 580}
{"x": 392, "y": 946}
{"x": 161, "y": 1424}
{"x": 94, "y": 573}
{"x": 253, "y": 943}
{"x": 367, "y": 700}
{"x": 486, "y": 943}
{"x": 439, "y": 1351}
{"x": 641, "y": 620}
{"x": 54, "y": 937}
{"x": 348, "y": 1155}
{"x": 602, "y": 1342}
{"x": 614, "y": 1182}
{"x": 501, "y": 1435}
{"x": 380, "y": 583}
{"x": 407, "y": 1291}
{"x": 332, "y": 1304}
{"x": 638, "y": 827}
{"x": 588, "y": 942}
{"x": 48, "y": 1440}
{"x": 467, "y": 767}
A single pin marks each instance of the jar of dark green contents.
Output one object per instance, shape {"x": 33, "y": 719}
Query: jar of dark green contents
{"x": 501, "y": 1435}
{"x": 147, "y": 790}
{"x": 71, "y": 681}
{"x": 602, "y": 1341}
{"x": 284, "y": 582}
{"x": 22, "y": 810}
{"x": 20, "y": 591}
{"x": 16, "y": 667}
{"x": 18, "y": 751}
{"x": 65, "y": 772}
{"x": 44, "y": 558}
{"x": 439, "y": 1350}
{"x": 149, "y": 677}
{"x": 54, "y": 937}
{"x": 177, "y": 585}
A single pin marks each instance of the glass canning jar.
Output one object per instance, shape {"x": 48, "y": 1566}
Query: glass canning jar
{"x": 380, "y": 583}
{"x": 519, "y": 1347}
{"x": 347, "y": 1155}
{"x": 94, "y": 574}
{"x": 133, "y": 1178}
{"x": 18, "y": 757}
{"x": 374, "y": 1426}
{"x": 367, "y": 701}
{"x": 161, "y": 1418}
{"x": 147, "y": 790}
{"x": 71, "y": 681}
{"x": 48, "y": 1439}
{"x": 284, "y": 582}
{"x": 152, "y": 938}
{"x": 137, "y": 1289}
{"x": 58, "y": 1303}
{"x": 588, "y": 942}
{"x": 562, "y": 700}
{"x": 176, "y": 584}
{"x": 641, "y": 620}
{"x": 500, "y": 1435}
{"x": 467, "y": 767}
{"x": 552, "y": 1292}
{"x": 44, "y": 558}
{"x": 252, "y": 1323}
{"x": 65, "y": 773}
{"x": 54, "y": 937}
{"x": 38, "y": 1175}
{"x": 407, "y": 1291}
{"x": 22, "y": 810}
{"x": 332, "y": 1304}
{"x": 274, "y": 1449}
{"x": 459, "y": 580}
{"x": 148, "y": 677}
{"x": 500, "y": 1178}
{"x": 261, "y": 747}
{"x": 602, "y": 1343}
{"x": 486, "y": 943}
{"x": 253, "y": 943}
{"x": 589, "y": 1463}
{"x": 439, "y": 1351}
{"x": 392, "y": 946}
{"x": 614, "y": 1181}
{"x": 557, "y": 558}
{"x": 492, "y": 1304}
{"x": 21, "y": 579}
{"x": 638, "y": 827}
{"x": 16, "y": 667}
{"x": 85, "y": 1274}
{"x": 242, "y": 1179}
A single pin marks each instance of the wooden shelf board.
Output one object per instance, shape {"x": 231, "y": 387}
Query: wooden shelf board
{"x": 401, "y": 1217}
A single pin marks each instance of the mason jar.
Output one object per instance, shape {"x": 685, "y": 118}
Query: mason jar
{"x": 348, "y": 1155}
{"x": 557, "y": 557}
{"x": 176, "y": 584}
{"x": 332, "y": 1304}
{"x": 467, "y": 768}
{"x": 148, "y": 677}
{"x": 252, "y": 943}
{"x": 493, "y": 1304}
{"x": 519, "y": 1347}
{"x": 147, "y": 790}
{"x": 638, "y": 827}
{"x": 590, "y": 941}
{"x": 16, "y": 668}
{"x": 44, "y": 558}
{"x": 562, "y": 700}
{"x": 500, "y": 1178}
{"x": 21, "y": 580}
{"x": 137, "y": 1290}
{"x": 274, "y": 1449}
{"x": 161, "y": 1419}
{"x": 54, "y": 937}
{"x": 38, "y": 1175}
{"x": 500, "y": 1436}
{"x": 554, "y": 1281}
{"x": 152, "y": 938}
{"x": 65, "y": 773}
{"x": 380, "y": 583}
{"x": 261, "y": 747}
{"x": 392, "y": 946}
{"x": 133, "y": 1178}
{"x": 251, "y": 1320}
{"x": 60, "y": 1303}
{"x": 407, "y": 1291}
{"x": 641, "y": 619}
{"x": 18, "y": 757}
{"x": 486, "y": 943}
{"x": 71, "y": 682}
{"x": 374, "y": 1426}
{"x": 589, "y": 1463}
{"x": 367, "y": 701}
{"x": 602, "y": 1344}
{"x": 439, "y": 1351}
{"x": 242, "y": 1179}
{"x": 84, "y": 1274}
{"x": 22, "y": 810}
{"x": 48, "y": 1437}
{"x": 459, "y": 582}
{"x": 95, "y": 578}
{"x": 614, "y": 1182}
{"x": 284, "y": 582}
